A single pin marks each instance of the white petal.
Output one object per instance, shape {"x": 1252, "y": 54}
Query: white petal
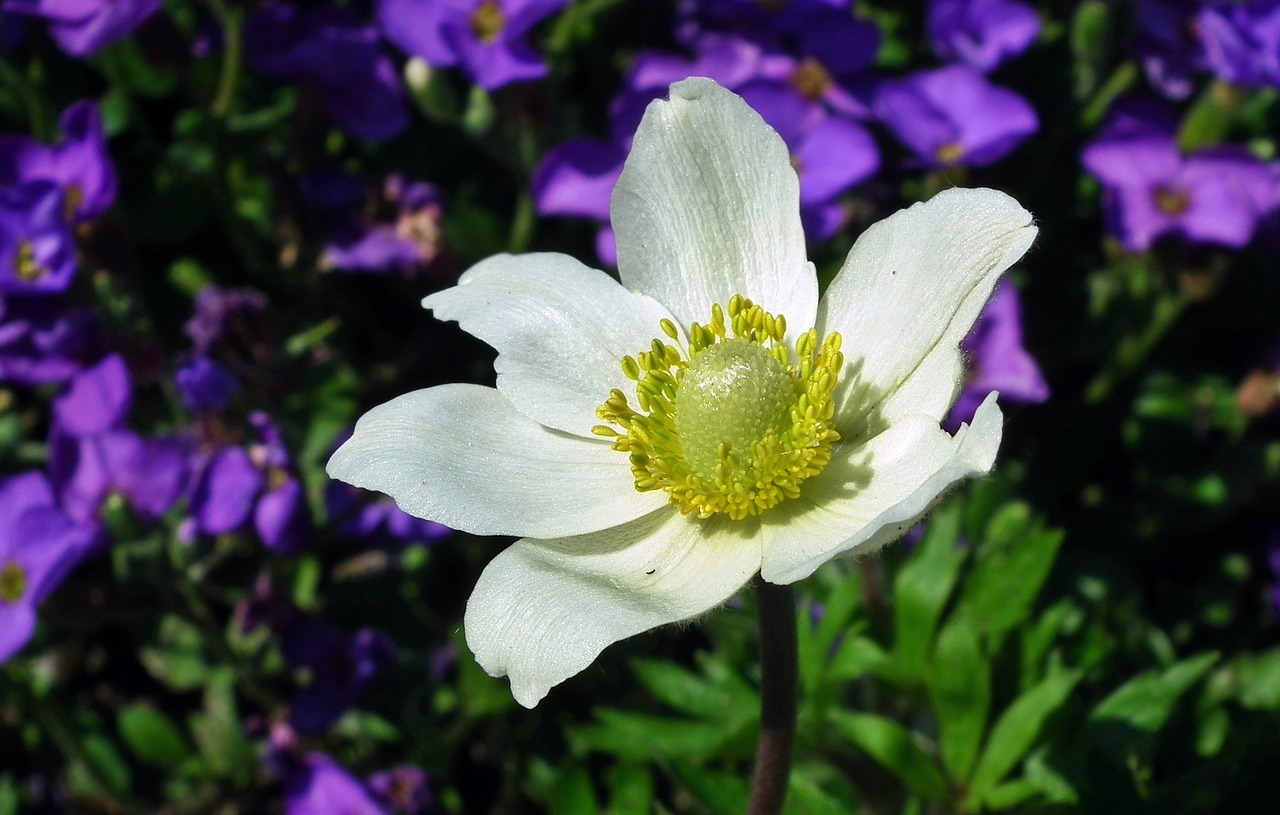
{"x": 872, "y": 497}
{"x": 561, "y": 330}
{"x": 461, "y": 455}
{"x": 708, "y": 206}
{"x": 909, "y": 292}
{"x": 543, "y": 610}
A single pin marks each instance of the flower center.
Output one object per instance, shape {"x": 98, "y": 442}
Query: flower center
{"x": 28, "y": 268}
{"x": 488, "y": 21}
{"x": 738, "y": 422}
{"x": 74, "y": 197}
{"x": 949, "y": 154}
{"x": 811, "y": 78}
{"x": 13, "y": 582}
{"x": 1170, "y": 201}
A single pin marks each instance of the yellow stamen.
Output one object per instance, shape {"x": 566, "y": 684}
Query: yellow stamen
{"x": 488, "y": 21}
{"x": 13, "y": 583}
{"x": 949, "y": 154}
{"x": 734, "y": 424}
{"x": 1171, "y": 201}
{"x": 29, "y": 270}
{"x": 811, "y": 78}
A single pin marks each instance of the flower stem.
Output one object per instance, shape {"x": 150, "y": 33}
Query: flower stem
{"x": 777, "y": 609}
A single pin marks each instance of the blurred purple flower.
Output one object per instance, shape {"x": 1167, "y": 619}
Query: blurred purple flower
{"x": 337, "y": 55}
{"x": 204, "y": 384}
{"x": 996, "y": 360}
{"x": 79, "y": 163}
{"x": 954, "y": 117}
{"x": 1242, "y": 42}
{"x": 39, "y": 544}
{"x": 352, "y": 515}
{"x": 341, "y": 668}
{"x": 84, "y": 27}
{"x": 831, "y": 154}
{"x": 486, "y": 38}
{"x": 41, "y": 340}
{"x": 1150, "y": 189}
{"x": 1167, "y": 44}
{"x": 982, "y": 33}
{"x": 37, "y": 250}
{"x": 97, "y": 400}
{"x": 406, "y": 789}
{"x": 403, "y": 234}
{"x": 318, "y": 785}
{"x": 217, "y": 310}
{"x": 696, "y": 18}
{"x": 235, "y": 485}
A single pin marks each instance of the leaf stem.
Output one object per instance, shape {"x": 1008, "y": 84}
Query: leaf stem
{"x": 778, "y": 656}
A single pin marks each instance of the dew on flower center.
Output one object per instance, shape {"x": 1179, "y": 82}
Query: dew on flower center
{"x": 28, "y": 268}
{"x": 735, "y": 423}
{"x": 488, "y": 21}
{"x": 13, "y": 583}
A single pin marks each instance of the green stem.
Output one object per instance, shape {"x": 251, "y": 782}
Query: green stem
{"x": 229, "y": 19}
{"x": 1134, "y": 349}
{"x": 778, "y": 696}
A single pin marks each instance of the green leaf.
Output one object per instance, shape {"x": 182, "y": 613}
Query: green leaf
{"x": 690, "y": 693}
{"x": 1009, "y": 568}
{"x": 572, "y": 793}
{"x": 178, "y": 660}
{"x": 922, "y": 587}
{"x": 100, "y": 761}
{"x": 722, "y": 793}
{"x": 806, "y": 797}
{"x": 893, "y": 746}
{"x": 1016, "y": 731}
{"x": 959, "y": 686}
{"x": 219, "y": 732}
{"x": 630, "y": 790}
{"x": 855, "y": 657}
{"x": 8, "y": 795}
{"x": 1143, "y": 704}
{"x": 152, "y": 736}
{"x": 1258, "y": 678}
{"x": 641, "y": 738}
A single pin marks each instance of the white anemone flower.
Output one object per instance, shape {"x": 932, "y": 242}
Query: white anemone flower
{"x": 656, "y": 443}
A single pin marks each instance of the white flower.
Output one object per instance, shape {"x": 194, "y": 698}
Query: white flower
{"x": 624, "y": 412}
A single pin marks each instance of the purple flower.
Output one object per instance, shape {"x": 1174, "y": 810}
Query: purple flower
{"x": 318, "y": 785}
{"x": 1242, "y": 41}
{"x": 339, "y": 57}
{"x": 41, "y": 340}
{"x": 353, "y": 516}
{"x": 831, "y": 154}
{"x": 79, "y": 163}
{"x": 405, "y": 234}
{"x": 91, "y": 456}
{"x": 205, "y": 385}
{"x": 1167, "y": 44}
{"x": 953, "y": 116}
{"x": 996, "y": 360}
{"x": 341, "y": 668}
{"x": 1150, "y": 189}
{"x": 751, "y": 17}
{"x": 982, "y": 33}
{"x": 218, "y": 311}
{"x": 38, "y": 546}
{"x": 486, "y": 38}
{"x": 37, "y": 250}
{"x": 235, "y": 485}
{"x": 405, "y": 789}
{"x": 84, "y": 27}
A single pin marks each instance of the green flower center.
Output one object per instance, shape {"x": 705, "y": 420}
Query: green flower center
{"x": 735, "y": 424}
{"x": 13, "y": 583}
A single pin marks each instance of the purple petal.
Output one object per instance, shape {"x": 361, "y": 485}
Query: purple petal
{"x": 282, "y": 518}
{"x": 98, "y": 399}
{"x": 223, "y": 497}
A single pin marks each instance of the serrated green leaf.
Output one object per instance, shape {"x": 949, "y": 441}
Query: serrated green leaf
{"x": 894, "y": 747}
{"x": 630, "y": 790}
{"x": 959, "y": 687}
{"x": 152, "y": 736}
{"x": 1016, "y": 731}
{"x": 923, "y": 585}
